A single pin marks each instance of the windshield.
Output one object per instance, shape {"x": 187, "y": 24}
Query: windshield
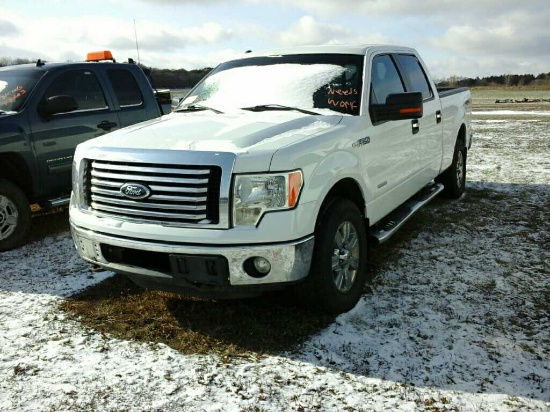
{"x": 15, "y": 87}
{"x": 304, "y": 81}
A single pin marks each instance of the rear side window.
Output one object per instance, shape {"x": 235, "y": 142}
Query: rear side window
{"x": 415, "y": 75}
{"x": 385, "y": 79}
{"x": 126, "y": 87}
{"x": 82, "y": 85}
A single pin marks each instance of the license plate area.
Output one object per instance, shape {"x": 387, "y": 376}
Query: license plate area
{"x": 203, "y": 269}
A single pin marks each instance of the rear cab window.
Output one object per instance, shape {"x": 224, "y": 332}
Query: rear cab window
{"x": 126, "y": 88}
{"x": 417, "y": 79}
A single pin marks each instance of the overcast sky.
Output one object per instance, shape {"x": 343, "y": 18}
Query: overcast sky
{"x": 465, "y": 38}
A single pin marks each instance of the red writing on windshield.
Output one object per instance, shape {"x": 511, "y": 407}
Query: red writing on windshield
{"x": 12, "y": 96}
{"x": 343, "y": 92}
{"x": 343, "y": 104}
{"x": 343, "y": 98}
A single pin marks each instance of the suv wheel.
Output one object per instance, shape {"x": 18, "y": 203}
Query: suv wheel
{"x": 15, "y": 216}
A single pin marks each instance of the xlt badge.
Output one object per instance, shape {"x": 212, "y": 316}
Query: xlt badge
{"x": 361, "y": 142}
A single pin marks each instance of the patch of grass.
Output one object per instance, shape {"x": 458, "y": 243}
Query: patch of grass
{"x": 47, "y": 223}
{"x": 266, "y": 325}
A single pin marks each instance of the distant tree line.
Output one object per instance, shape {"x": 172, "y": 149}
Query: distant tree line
{"x": 161, "y": 78}
{"x": 502, "y": 80}
{"x": 183, "y": 79}
{"x": 176, "y": 79}
{"x": 6, "y": 61}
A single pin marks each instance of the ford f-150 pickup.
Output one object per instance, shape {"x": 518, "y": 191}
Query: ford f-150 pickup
{"x": 46, "y": 110}
{"x": 277, "y": 169}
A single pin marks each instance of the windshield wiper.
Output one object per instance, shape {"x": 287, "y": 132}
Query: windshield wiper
{"x": 197, "y": 107}
{"x": 266, "y": 107}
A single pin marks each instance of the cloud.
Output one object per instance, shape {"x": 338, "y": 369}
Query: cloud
{"x": 467, "y": 38}
{"x": 180, "y": 2}
{"x": 308, "y": 31}
{"x": 514, "y": 34}
{"x": 8, "y": 29}
{"x": 193, "y": 60}
{"x": 426, "y": 8}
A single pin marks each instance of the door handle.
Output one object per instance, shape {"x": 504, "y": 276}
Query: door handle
{"x": 415, "y": 126}
{"x": 438, "y": 116}
{"x": 106, "y": 125}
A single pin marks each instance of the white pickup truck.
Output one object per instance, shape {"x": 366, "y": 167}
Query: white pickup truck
{"x": 278, "y": 169}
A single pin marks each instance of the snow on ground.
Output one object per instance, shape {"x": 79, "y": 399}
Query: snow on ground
{"x": 456, "y": 319}
{"x": 512, "y": 113}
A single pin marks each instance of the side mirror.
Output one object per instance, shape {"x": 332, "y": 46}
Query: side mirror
{"x": 57, "y": 104}
{"x": 175, "y": 102}
{"x": 398, "y": 106}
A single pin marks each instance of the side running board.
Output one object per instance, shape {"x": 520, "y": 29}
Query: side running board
{"x": 384, "y": 229}
{"x": 58, "y": 202}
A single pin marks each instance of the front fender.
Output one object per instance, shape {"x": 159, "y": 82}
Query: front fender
{"x": 324, "y": 163}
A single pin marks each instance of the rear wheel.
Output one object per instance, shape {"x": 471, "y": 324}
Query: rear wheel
{"x": 15, "y": 216}
{"x": 338, "y": 269}
{"x": 454, "y": 178}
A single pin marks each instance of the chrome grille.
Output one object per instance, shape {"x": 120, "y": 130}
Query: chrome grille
{"x": 180, "y": 195}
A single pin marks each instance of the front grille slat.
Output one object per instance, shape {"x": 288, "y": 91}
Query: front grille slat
{"x": 143, "y": 169}
{"x": 115, "y": 194}
{"x": 148, "y": 178}
{"x": 99, "y": 201}
{"x": 180, "y": 195}
{"x": 154, "y": 187}
{"x": 125, "y": 210}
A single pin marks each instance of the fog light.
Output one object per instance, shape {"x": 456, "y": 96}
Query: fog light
{"x": 262, "y": 265}
{"x": 257, "y": 267}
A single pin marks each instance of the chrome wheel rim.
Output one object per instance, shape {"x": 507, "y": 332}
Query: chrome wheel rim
{"x": 345, "y": 257}
{"x": 459, "y": 169}
{"x": 8, "y": 217}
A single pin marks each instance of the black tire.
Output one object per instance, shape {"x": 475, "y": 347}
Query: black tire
{"x": 338, "y": 270}
{"x": 454, "y": 178}
{"x": 15, "y": 216}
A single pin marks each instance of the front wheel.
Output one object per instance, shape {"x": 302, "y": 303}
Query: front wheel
{"x": 454, "y": 178}
{"x": 15, "y": 216}
{"x": 339, "y": 266}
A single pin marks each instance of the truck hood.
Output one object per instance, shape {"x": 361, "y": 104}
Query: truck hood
{"x": 242, "y": 132}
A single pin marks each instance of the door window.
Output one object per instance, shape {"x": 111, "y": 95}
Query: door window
{"x": 126, "y": 88}
{"x": 415, "y": 75}
{"x": 385, "y": 79}
{"x": 81, "y": 85}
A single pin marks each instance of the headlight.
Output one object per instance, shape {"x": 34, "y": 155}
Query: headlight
{"x": 75, "y": 185}
{"x": 79, "y": 171}
{"x": 254, "y": 195}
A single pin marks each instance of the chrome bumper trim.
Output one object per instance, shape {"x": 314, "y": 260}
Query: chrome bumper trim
{"x": 290, "y": 261}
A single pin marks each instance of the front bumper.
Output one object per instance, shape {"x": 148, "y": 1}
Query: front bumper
{"x": 151, "y": 263}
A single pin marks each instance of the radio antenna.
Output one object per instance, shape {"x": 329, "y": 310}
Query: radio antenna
{"x": 137, "y": 46}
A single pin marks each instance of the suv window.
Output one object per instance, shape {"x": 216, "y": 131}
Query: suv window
{"x": 385, "y": 79}
{"x": 416, "y": 76}
{"x": 82, "y": 85}
{"x": 126, "y": 88}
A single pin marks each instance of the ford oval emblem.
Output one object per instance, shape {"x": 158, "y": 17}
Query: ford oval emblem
{"x": 135, "y": 191}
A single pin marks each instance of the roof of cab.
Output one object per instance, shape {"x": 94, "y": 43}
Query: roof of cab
{"x": 334, "y": 48}
{"x": 51, "y": 65}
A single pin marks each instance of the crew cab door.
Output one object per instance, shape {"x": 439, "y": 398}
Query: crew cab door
{"x": 391, "y": 150}
{"x": 129, "y": 101}
{"x": 55, "y": 136}
{"x": 430, "y": 126}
